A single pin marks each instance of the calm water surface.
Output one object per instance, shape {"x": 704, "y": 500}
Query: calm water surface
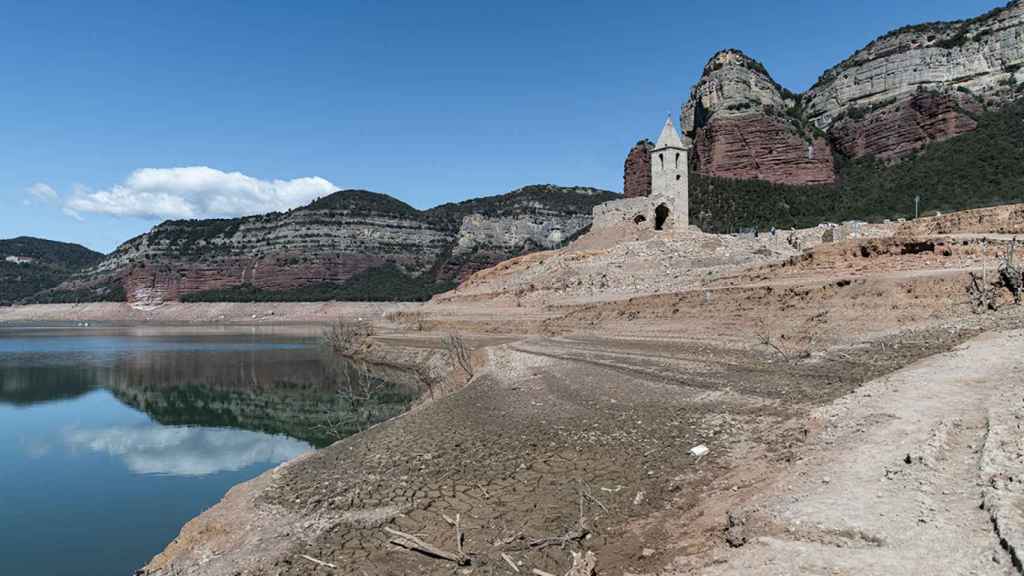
{"x": 114, "y": 436}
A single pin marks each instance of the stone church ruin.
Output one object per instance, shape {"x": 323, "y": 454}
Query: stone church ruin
{"x": 656, "y": 183}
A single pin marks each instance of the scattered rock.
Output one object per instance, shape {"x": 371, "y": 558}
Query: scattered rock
{"x": 735, "y": 530}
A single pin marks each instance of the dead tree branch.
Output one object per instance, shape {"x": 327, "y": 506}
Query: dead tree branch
{"x": 428, "y": 377}
{"x": 410, "y": 542}
{"x": 459, "y": 535}
{"x": 347, "y": 337}
{"x": 1010, "y": 275}
{"x": 982, "y": 294}
{"x": 583, "y": 564}
{"x": 508, "y": 559}
{"x": 459, "y": 354}
{"x": 318, "y": 562}
{"x": 359, "y": 393}
{"x": 585, "y": 491}
{"x": 764, "y": 337}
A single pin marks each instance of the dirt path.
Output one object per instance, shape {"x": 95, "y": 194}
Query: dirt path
{"x": 894, "y": 479}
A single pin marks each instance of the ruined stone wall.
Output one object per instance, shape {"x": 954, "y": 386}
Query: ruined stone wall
{"x": 634, "y": 212}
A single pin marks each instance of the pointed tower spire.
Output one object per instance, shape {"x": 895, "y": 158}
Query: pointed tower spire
{"x": 669, "y": 137}
{"x": 670, "y": 174}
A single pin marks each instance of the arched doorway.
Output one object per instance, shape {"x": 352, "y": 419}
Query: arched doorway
{"x": 661, "y": 214}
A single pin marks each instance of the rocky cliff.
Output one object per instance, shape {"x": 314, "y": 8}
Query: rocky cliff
{"x": 636, "y": 180}
{"x": 920, "y": 84}
{"x": 353, "y": 244}
{"x": 982, "y": 56}
{"x": 745, "y": 125}
{"x": 912, "y": 87}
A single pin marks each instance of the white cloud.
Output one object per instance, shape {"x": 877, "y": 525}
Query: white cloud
{"x": 196, "y": 192}
{"x": 69, "y": 212}
{"x": 43, "y": 192}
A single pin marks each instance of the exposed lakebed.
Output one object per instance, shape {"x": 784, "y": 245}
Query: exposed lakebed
{"x": 115, "y": 436}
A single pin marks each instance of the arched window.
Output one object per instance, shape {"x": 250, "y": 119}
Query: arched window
{"x": 677, "y": 160}
{"x": 661, "y": 157}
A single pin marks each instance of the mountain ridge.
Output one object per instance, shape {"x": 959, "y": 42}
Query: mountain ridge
{"x": 351, "y": 244}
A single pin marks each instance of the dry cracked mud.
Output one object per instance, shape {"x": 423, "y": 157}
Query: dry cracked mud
{"x": 859, "y": 417}
{"x": 559, "y": 429}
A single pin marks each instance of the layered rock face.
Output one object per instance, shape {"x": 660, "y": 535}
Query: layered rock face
{"x": 920, "y": 84}
{"x": 636, "y": 179}
{"x": 744, "y": 125}
{"x": 761, "y": 147}
{"x": 323, "y": 242}
{"x": 912, "y": 87}
{"x": 337, "y": 238}
{"x": 533, "y": 218}
{"x": 979, "y": 55}
{"x": 901, "y": 128}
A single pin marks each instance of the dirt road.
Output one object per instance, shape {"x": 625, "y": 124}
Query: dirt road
{"x": 917, "y": 472}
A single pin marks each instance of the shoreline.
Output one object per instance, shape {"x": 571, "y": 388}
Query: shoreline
{"x": 578, "y": 426}
{"x": 207, "y": 313}
{"x": 540, "y": 421}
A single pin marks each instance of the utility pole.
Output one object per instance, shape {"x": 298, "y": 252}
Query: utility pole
{"x": 917, "y": 203}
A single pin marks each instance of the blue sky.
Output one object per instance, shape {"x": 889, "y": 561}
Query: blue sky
{"x": 427, "y": 101}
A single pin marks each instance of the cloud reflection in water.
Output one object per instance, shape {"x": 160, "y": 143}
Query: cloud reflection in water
{"x": 184, "y": 451}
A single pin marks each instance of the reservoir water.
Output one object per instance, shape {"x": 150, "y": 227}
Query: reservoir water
{"x": 112, "y": 437}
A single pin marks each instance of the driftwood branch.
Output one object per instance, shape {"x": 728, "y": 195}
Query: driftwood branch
{"x": 585, "y": 491}
{"x": 319, "y": 562}
{"x": 410, "y": 542}
{"x": 576, "y": 535}
{"x": 571, "y": 536}
{"x": 583, "y": 564}
{"x": 508, "y": 559}
{"x": 459, "y": 535}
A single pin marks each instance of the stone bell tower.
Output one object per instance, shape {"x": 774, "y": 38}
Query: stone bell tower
{"x": 661, "y": 203}
{"x": 670, "y": 172}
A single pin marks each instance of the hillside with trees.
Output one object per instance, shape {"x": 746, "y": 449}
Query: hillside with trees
{"x": 31, "y": 265}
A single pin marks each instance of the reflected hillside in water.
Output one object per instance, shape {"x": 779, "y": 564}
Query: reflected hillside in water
{"x": 214, "y": 381}
{"x": 24, "y": 386}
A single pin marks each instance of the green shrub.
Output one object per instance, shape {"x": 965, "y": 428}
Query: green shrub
{"x": 52, "y": 263}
